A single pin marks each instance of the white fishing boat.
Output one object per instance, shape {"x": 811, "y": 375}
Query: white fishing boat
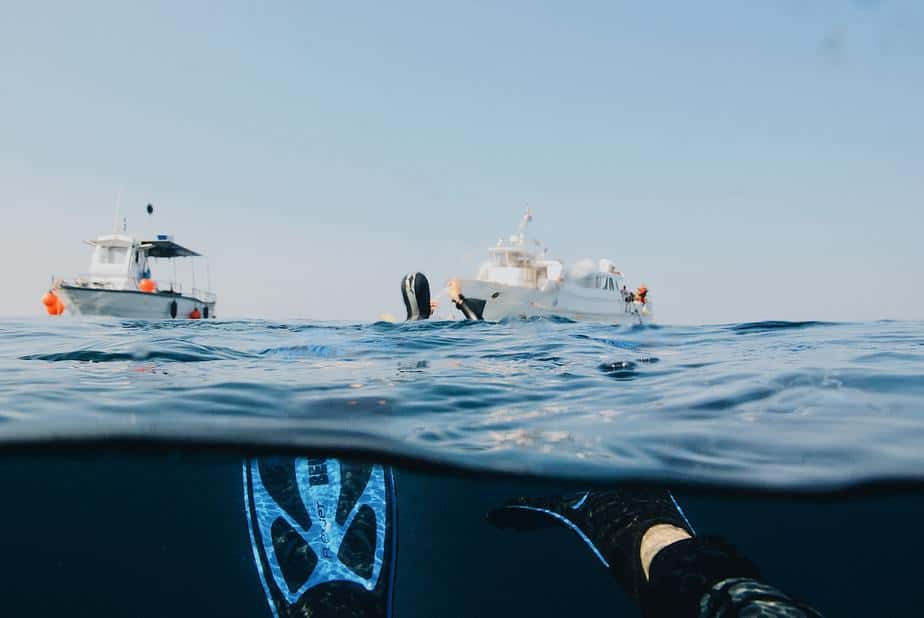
{"x": 520, "y": 280}
{"x": 119, "y": 283}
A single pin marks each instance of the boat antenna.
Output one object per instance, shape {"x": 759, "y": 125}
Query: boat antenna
{"x": 523, "y": 224}
{"x": 527, "y": 217}
{"x": 115, "y": 218}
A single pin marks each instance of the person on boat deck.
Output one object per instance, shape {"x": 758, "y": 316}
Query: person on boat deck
{"x": 415, "y": 290}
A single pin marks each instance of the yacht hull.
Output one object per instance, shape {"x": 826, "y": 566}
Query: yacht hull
{"x": 507, "y": 301}
{"x": 132, "y": 304}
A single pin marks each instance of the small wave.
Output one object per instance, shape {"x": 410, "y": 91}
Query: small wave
{"x": 197, "y": 355}
{"x": 527, "y": 356}
{"x": 553, "y": 319}
{"x": 775, "y": 325}
{"x": 301, "y": 351}
{"x": 880, "y": 358}
{"x": 616, "y": 343}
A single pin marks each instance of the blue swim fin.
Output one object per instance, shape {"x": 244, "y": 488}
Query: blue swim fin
{"x": 323, "y": 535}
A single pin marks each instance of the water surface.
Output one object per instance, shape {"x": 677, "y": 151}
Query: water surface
{"x": 781, "y": 405}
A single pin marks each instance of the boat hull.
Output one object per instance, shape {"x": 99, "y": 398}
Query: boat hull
{"x": 506, "y": 301}
{"x": 131, "y": 304}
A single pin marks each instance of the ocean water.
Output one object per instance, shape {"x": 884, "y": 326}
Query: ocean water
{"x": 802, "y": 443}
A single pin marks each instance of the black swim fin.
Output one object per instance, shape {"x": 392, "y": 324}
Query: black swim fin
{"x": 610, "y": 522}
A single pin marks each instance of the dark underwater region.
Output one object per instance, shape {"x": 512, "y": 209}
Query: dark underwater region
{"x": 146, "y": 536}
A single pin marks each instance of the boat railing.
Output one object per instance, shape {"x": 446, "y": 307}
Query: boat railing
{"x": 96, "y": 282}
{"x": 203, "y": 295}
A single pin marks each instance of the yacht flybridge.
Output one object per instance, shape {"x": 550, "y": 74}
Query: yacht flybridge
{"x": 119, "y": 283}
{"x": 520, "y": 280}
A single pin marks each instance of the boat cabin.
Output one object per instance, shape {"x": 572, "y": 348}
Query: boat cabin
{"x": 117, "y": 263}
{"x": 605, "y": 278}
{"x": 512, "y": 265}
{"x": 121, "y": 262}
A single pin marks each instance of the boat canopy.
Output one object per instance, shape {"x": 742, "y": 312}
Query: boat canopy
{"x": 161, "y": 248}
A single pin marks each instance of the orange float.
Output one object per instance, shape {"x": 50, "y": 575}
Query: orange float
{"x": 195, "y": 314}
{"x": 53, "y": 304}
{"x": 147, "y": 285}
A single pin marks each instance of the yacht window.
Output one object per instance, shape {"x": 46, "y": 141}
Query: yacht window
{"x": 609, "y": 284}
{"x": 112, "y": 255}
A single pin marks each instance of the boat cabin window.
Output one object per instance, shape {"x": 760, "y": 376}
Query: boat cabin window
{"x": 111, "y": 255}
{"x": 513, "y": 259}
{"x": 604, "y": 282}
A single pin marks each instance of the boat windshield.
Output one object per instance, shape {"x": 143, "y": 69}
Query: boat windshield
{"x": 111, "y": 255}
{"x": 599, "y": 281}
{"x": 517, "y": 259}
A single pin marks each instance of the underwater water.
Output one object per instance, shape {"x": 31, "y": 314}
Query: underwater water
{"x": 140, "y": 458}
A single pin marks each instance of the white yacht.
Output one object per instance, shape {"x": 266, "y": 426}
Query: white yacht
{"x": 119, "y": 283}
{"x": 520, "y": 280}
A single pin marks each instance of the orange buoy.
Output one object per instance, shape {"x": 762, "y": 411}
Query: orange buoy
{"x": 194, "y": 314}
{"x": 147, "y": 285}
{"x": 53, "y": 304}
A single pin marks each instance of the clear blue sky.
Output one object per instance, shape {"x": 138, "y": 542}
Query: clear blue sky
{"x": 746, "y": 160}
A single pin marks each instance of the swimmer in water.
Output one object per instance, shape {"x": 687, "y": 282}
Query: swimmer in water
{"x": 415, "y": 290}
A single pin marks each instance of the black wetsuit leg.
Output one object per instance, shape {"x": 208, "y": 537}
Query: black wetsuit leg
{"x": 705, "y": 577}
{"x": 472, "y": 308}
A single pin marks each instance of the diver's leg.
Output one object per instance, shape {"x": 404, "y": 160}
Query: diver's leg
{"x": 471, "y": 308}
{"x": 645, "y": 540}
{"x": 657, "y": 538}
{"x": 707, "y": 578}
